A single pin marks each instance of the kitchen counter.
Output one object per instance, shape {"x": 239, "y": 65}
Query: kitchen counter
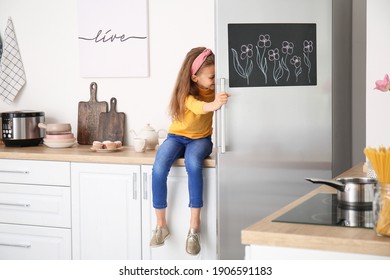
{"x": 83, "y": 153}
{"x": 317, "y": 237}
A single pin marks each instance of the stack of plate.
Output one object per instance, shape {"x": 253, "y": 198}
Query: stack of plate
{"x": 58, "y": 135}
{"x": 59, "y": 140}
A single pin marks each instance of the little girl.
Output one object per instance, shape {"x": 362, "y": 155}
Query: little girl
{"x": 191, "y": 107}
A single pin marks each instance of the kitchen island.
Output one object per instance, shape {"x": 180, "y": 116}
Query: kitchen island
{"x": 272, "y": 240}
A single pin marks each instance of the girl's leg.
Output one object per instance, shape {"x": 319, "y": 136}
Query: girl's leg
{"x": 161, "y": 217}
{"x": 196, "y": 152}
{"x": 195, "y": 218}
{"x": 166, "y": 155}
{"x": 193, "y": 236}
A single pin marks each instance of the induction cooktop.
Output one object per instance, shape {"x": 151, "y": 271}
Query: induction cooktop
{"x": 323, "y": 209}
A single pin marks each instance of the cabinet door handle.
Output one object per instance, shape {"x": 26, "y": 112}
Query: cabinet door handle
{"x": 15, "y": 171}
{"x": 16, "y": 245}
{"x": 135, "y": 185}
{"x": 145, "y": 185}
{"x": 16, "y": 204}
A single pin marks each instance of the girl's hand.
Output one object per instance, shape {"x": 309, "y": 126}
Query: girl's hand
{"x": 221, "y": 98}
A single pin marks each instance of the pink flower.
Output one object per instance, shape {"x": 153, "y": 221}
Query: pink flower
{"x": 383, "y": 85}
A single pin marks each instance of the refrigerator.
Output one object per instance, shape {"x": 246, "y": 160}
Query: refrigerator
{"x": 271, "y": 134}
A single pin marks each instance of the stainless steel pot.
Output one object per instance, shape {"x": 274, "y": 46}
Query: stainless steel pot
{"x": 20, "y": 128}
{"x": 355, "y": 218}
{"x": 352, "y": 192}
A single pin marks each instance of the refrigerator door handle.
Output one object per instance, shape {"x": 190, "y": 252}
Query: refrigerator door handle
{"x": 222, "y": 149}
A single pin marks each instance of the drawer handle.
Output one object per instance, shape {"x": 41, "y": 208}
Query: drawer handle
{"x": 15, "y": 171}
{"x": 16, "y": 245}
{"x": 16, "y": 204}
{"x": 145, "y": 185}
{"x": 134, "y": 185}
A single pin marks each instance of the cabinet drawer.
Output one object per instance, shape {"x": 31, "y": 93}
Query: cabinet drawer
{"x": 34, "y": 243}
{"x": 35, "y": 205}
{"x": 35, "y": 172}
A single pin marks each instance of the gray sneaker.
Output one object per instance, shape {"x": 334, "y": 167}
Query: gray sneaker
{"x": 160, "y": 234}
{"x": 193, "y": 242}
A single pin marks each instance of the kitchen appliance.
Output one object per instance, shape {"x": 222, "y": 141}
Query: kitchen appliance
{"x": 270, "y": 138}
{"x": 324, "y": 209}
{"x": 20, "y": 128}
{"x": 356, "y": 192}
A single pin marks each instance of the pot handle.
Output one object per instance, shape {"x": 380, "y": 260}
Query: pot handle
{"x": 333, "y": 184}
{"x": 42, "y": 125}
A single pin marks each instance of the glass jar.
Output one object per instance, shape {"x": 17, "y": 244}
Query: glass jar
{"x": 381, "y": 209}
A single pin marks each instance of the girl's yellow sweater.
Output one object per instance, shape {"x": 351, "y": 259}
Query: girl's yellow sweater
{"x": 196, "y": 122}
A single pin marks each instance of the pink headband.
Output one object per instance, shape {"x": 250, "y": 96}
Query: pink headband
{"x": 199, "y": 60}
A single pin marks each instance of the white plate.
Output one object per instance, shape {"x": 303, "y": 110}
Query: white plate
{"x": 67, "y": 141}
{"x": 107, "y": 150}
{"x": 59, "y": 145}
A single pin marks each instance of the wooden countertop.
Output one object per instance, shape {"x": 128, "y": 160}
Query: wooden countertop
{"x": 83, "y": 153}
{"x": 328, "y": 238}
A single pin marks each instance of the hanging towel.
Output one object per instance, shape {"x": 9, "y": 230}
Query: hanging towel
{"x": 1, "y": 50}
{"x": 12, "y": 76}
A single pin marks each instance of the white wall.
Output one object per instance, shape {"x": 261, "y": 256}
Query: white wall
{"x": 378, "y": 64}
{"x": 46, "y": 31}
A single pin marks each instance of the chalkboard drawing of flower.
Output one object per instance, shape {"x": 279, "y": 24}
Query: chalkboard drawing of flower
{"x": 296, "y": 61}
{"x": 264, "y": 42}
{"x": 383, "y": 85}
{"x": 246, "y": 54}
{"x": 307, "y": 49}
{"x": 277, "y": 73}
{"x": 287, "y": 49}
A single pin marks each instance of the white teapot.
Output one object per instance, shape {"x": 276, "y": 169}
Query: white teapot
{"x": 150, "y": 135}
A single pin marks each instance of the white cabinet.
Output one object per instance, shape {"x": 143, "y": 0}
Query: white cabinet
{"x": 35, "y": 219}
{"x": 113, "y": 216}
{"x": 178, "y": 216}
{"x": 34, "y": 243}
{"x": 35, "y": 205}
{"x": 106, "y": 211}
{"x": 35, "y": 172}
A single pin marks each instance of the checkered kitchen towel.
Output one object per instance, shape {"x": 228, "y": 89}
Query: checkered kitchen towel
{"x": 1, "y": 48}
{"x": 12, "y": 76}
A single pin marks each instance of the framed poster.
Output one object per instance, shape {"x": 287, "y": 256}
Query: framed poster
{"x": 272, "y": 55}
{"x": 113, "y": 38}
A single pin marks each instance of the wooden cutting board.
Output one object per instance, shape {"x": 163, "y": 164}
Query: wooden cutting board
{"x": 88, "y": 117}
{"x": 111, "y": 124}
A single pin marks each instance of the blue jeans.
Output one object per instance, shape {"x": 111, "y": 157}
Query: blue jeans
{"x": 194, "y": 152}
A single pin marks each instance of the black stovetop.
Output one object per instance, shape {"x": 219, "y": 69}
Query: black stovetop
{"x": 323, "y": 209}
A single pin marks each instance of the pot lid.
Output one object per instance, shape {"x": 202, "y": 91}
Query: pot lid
{"x": 22, "y": 113}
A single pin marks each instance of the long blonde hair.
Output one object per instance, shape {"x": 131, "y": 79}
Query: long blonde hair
{"x": 184, "y": 85}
